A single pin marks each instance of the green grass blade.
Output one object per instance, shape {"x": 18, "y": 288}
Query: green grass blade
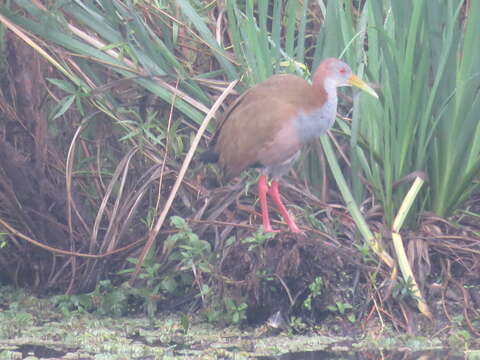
{"x": 207, "y": 36}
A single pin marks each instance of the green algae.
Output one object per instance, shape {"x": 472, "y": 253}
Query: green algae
{"x": 26, "y": 320}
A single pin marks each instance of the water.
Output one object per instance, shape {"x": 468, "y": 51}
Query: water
{"x": 368, "y": 355}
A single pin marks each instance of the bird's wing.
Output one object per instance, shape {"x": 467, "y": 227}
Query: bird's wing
{"x": 258, "y": 127}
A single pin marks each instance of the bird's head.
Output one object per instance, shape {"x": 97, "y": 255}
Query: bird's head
{"x": 339, "y": 73}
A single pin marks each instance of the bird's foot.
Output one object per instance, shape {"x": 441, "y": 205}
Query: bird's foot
{"x": 295, "y": 229}
{"x": 291, "y": 226}
{"x": 269, "y": 229}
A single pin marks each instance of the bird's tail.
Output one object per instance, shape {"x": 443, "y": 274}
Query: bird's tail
{"x": 209, "y": 156}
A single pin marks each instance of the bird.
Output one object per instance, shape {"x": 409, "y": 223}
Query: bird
{"x": 268, "y": 125}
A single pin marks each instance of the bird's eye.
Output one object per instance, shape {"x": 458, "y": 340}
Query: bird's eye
{"x": 343, "y": 70}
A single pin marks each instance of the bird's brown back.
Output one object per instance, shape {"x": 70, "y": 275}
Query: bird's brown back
{"x": 259, "y": 127}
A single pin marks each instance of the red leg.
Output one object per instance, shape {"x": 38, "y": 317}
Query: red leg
{"x": 275, "y": 195}
{"x": 262, "y": 195}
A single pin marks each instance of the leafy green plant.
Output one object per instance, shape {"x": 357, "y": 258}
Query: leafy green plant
{"x": 106, "y": 299}
{"x": 343, "y": 309}
{"x": 258, "y": 239}
{"x": 14, "y": 321}
{"x": 71, "y": 305}
{"x": 403, "y": 289}
{"x": 340, "y": 307}
{"x": 186, "y": 252}
{"x": 226, "y": 311}
{"x": 185, "y": 323}
{"x": 151, "y": 290}
{"x": 190, "y": 251}
{"x": 315, "y": 290}
{"x": 237, "y": 313}
{"x": 460, "y": 339}
{"x": 298, "y": 325}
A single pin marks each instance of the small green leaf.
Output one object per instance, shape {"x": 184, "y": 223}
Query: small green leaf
{"x": 66, "y": 86}
{"x": 351, "y": 318}
{"x": 63, "y": 106}
{"x": 332, "y": 308}
{"x": 230, "y": 241}
{"x": 169, "y": 284}
{"x": 185, "y": 323}
{"x": 178, "y": 222}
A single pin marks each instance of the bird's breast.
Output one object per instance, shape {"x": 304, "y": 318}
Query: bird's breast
{"x": 310, "y": 124}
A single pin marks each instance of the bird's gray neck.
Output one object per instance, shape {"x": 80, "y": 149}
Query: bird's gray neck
{"x": 311, "y": 125}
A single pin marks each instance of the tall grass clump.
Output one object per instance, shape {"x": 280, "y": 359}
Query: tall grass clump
{"x": 126, "y": 84}
{"x": 425, "y": 57}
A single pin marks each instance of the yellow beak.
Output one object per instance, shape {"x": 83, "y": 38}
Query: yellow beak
{"x": 354, "y": 80}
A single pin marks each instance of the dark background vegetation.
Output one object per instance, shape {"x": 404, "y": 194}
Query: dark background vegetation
{"x": 100, "y": 102}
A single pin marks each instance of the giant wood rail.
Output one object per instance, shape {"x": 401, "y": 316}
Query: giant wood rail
{"x": 268, "y": 124}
